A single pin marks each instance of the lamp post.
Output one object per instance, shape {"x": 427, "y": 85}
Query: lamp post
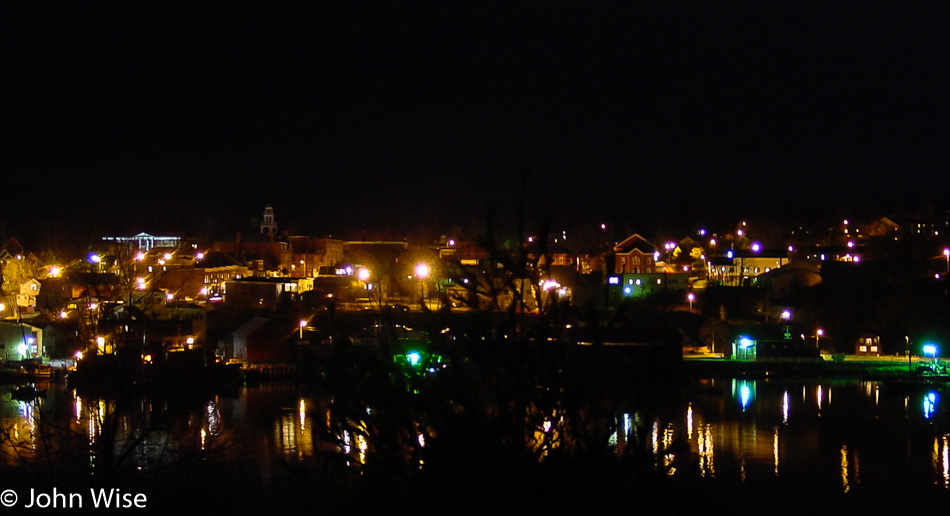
{"x": 691, "y": 297}
{"x": 364, "y": 276}
{"x": 422, "y": 271}
{"x": 946, "y": 253}
{"x": 907, "y": 344}
{"x": 818, "y": 333}
{"x": 303, "y": 324}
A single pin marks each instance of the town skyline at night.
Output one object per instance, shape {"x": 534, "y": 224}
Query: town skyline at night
{"x": 334, "y": 257}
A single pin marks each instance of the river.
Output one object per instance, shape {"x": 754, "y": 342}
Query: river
{"x": 259, "y": 446}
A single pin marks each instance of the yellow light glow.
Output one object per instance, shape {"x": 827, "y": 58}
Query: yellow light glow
{"x": 422, "y": 270}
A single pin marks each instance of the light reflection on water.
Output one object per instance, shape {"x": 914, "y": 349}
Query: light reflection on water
{"x": 749, "y": 430}
{"x": 842, "y": 436}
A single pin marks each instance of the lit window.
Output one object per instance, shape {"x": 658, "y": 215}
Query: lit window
{"x": 873, "y": 349}
{"x": 863, "y": 349}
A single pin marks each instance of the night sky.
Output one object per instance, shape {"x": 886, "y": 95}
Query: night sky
{"x": 351, "y": 116}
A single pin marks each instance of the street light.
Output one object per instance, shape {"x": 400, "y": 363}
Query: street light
{"x": 303, "y": 324}
{"x": 364, "y": 275}
{"x": 691, "y": 297}
{"x": 818, "y": 334}
{"x": 422, "y": 271}
{"x": 946, "y": 253}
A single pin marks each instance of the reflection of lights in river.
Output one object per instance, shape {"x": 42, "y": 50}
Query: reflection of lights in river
{"x": 705, "y": 449}
{"x": 362, "y": 445}
{"x": 745, "y": 395}
{"x": 744, "y": 391}
{"x": 668, "y": 457}
{"x": 655, "y": 438}
{"x": 930, "y": 404}
{"x": 775, "y": 450}
{"x": 214, "y": 418}
{"x": 845, "y": 486}
{"x": 945, "y": 459}
{"x": 785, "y": 408}
{"x": 689, "y": 422}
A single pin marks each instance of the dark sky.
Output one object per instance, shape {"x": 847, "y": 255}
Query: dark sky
{"x": 351, "y": 115}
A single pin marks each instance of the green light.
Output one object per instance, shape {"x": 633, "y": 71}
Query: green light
{"x": 414, "y": 357}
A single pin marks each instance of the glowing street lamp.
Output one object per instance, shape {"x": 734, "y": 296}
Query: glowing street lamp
{"x": 818, "y": 334}
{"x": 946, "y": 253}
{"x": 422, "y": 272}
{"x": 364, "y": 275}
{"x": 303, "y": 324}
{"x": 691, "y": 297}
